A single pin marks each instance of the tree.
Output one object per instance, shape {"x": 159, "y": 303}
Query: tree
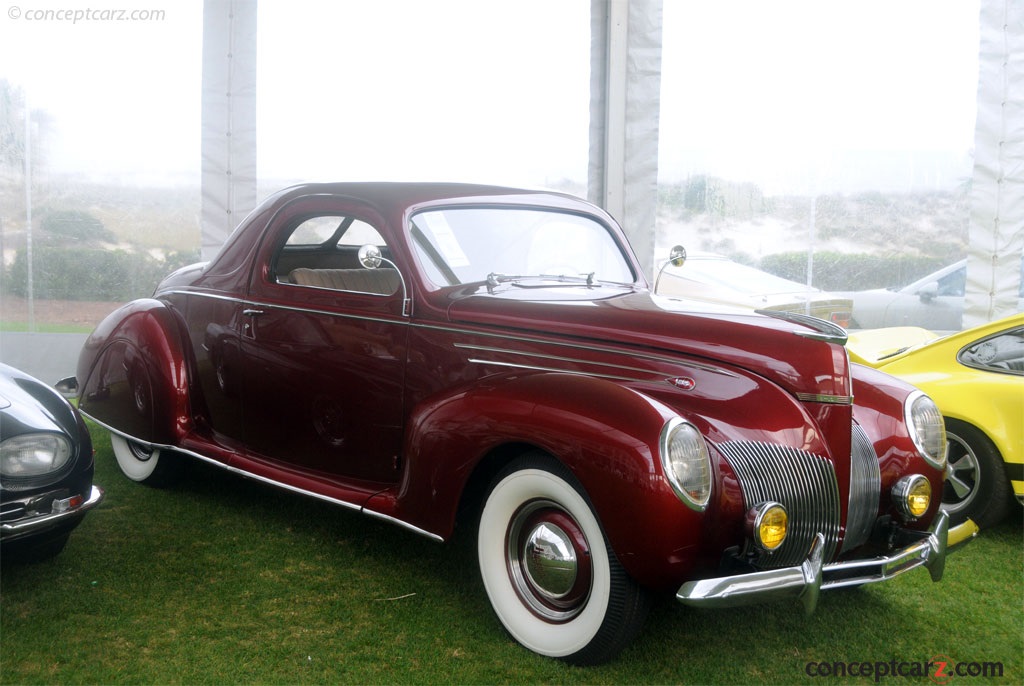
{"x": 75, "y": 226}
{"x": 12, "y": 127}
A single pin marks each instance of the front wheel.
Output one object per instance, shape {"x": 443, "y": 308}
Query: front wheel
{"x": 144, "y": 464}
{"x": 550, "y": 575}
{"x": 976, "y": 484}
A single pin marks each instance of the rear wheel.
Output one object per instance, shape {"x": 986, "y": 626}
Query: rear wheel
{"x": 147, "y": 465}
{"x": 976, "y": 484}
{"x": 551, "y": 576}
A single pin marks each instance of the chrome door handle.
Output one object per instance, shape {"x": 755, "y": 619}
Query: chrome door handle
{"x": 251, "y": 312}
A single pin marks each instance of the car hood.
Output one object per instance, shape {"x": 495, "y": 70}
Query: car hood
{"x": 27, "y": 405}
{"x": 776, "y": 349}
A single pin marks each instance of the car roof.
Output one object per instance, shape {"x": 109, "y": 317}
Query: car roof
{"x": 934, "y": 276}
{"x": 390, "y": 196}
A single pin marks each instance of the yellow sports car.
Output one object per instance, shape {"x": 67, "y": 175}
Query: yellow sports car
{"x": 977, "y": 379}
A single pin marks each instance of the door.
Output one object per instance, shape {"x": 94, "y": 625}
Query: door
{"x": 327, "y": 340}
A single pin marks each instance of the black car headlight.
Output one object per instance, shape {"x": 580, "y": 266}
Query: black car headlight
{"x": 34, "y": 454}
{"x": 687, "y": 463}
{"x": 927, "y": 428}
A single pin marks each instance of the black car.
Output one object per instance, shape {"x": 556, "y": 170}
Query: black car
{"x": 46, "y": 468}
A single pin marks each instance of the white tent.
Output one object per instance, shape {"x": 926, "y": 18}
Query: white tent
{"x": 626, "y": 39}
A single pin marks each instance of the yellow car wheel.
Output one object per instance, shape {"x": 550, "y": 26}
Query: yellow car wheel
{"x": 976, "y": 484}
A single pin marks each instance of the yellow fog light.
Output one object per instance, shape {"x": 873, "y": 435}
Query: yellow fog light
{"x": 766, "y": 524}
{"x": 912, "y": 495}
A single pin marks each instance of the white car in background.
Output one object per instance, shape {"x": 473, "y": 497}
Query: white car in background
{"x": 712, "y": 278}
{"x": 934, "y": 302}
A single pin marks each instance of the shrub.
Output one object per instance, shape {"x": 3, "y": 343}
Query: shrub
{"x": 84, "y": 274}
{"x": 76, "y": 225}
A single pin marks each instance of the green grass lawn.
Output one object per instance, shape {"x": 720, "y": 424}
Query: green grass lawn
{"x": 224, "y": 581}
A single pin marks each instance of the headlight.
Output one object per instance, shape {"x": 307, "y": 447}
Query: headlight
{"x": 684, "y": 455}
{"x": 33, "y": 454}
{"x": 924, "y": 421}
{"x": 912, "y": 495}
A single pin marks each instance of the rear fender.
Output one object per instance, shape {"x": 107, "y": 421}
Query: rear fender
{"x": 133, "y": 376}
{"x": 605, "y": 433}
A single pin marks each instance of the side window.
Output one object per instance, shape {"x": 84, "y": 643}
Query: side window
{"x": 316, "y": 231}
{"x": 1000, "y": 353}
{"x": 360, "y": 233}
{"x": 322, "y": 251}
{"x": 953, "y": 283}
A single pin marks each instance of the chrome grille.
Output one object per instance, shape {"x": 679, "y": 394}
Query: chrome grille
{"x": 804, "y": 483}
{"x": 865, "y": 488}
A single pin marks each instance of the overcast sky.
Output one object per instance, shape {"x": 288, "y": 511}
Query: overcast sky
{"x": 792, "y": 95}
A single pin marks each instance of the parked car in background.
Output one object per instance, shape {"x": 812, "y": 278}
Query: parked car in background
{"x": 46, "y": 468}
{"x": 977, "y": 379}
{"x": 716, "y": 279}
{"x": 442, "y": 354}
{"x": 934, "y": 302}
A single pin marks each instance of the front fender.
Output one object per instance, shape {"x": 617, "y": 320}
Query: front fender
{"x": 132, "y": 373}
{"x": 880, "y": 413}
{"x": 605, "y": 433}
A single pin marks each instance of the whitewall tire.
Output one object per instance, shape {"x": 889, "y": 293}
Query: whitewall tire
{"x": 143, "y": 464}
{"x": 549, "y": 572}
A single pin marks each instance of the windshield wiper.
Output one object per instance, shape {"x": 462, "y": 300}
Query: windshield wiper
{"x": 495, "y": 279}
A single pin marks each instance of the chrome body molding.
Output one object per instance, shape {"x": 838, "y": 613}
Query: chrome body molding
{"x": 807, "y": 579}
{"x": 271, "y": 482}
{"x": 826, "y": 399}
{"x": 535, "y": 368}
{"x": 575, "y": 346}
{"x": 252, "y": 306}
{"x": 487, "y": 334}
{"x": 821, "y": 329}
{"x": 554, "y": 358}
{"x": 405, "y": 525}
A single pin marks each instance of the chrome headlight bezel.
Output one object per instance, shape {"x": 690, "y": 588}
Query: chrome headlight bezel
{"x": 686, "y": 462}
{"x": 34, "y": 454}
{"x": 758, "y": 517}
{"x": 908, "y": 488}
{"x": 926, "y": 427}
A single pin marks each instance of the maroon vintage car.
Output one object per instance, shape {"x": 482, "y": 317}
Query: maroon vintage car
{"x": 429, "y": 354}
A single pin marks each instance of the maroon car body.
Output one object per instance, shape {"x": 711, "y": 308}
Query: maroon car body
{"x": 506, "y": 359}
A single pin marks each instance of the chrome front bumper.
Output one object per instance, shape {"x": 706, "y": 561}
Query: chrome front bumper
{"x": 806, "y": 580}
{"x": 42, "y": 522}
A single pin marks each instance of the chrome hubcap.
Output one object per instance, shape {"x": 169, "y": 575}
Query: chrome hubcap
{"x": 548, "y": 561}
{"x": 962, "y": 478}
{"x": 140, "y": 452}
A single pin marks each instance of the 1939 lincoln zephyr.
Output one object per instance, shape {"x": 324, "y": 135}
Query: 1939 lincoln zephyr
{"x": 434, "y": 354}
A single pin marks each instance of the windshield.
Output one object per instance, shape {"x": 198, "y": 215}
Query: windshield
{"x": 468, "y": 245}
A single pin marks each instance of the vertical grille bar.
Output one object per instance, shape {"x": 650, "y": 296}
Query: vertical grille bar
{"x": 802, "y": 482}
{"x": 865, "y": 488}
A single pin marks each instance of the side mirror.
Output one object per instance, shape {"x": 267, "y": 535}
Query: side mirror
{"x": 68, "y": 387}
{"x": 370, "y": 258}
{"x": 929, "y": 291}
{"x": 676, "y": 258}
